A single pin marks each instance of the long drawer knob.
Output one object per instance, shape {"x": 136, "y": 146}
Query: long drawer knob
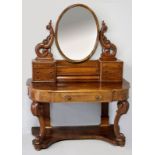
{"x": 98, "y": 97}
{"x": 68, "y": 98}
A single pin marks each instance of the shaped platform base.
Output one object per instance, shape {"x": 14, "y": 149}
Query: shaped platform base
{"x": 56, "y": 134}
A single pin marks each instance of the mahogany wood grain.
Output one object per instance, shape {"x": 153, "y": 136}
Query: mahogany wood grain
{"x": 43, "y": 49}
{"x": 78, "y": 92}
{"x": 111, "y": 71}
{"x": 91, "y": 70}
{"x": 57, "y": 134}
{"x": 44, "y": 70}
{"x": 85, "y": 68}
{"x": 44, "y": 92}
{"x": 123, "y": 107}
{"x": 104, "y": 114}
{"x": 109, "y": 50}
{"x": 98, "y": 81}
{"x": 42, "y": 111}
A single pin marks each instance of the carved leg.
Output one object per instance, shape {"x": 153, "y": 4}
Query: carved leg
{"x": 42, "y": 111}
{"x": 104, "y": 114}
{"x": 123, "y": 107}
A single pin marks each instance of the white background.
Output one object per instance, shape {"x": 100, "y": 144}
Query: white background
{"x": 36, "y": 15}
{"x": 143, "y": 77}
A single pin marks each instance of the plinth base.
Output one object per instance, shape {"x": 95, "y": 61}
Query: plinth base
{"x": 56, "y": 134}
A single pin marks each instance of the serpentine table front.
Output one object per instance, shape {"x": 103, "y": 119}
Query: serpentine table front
{"x": 77, "y": 80}
{"x": 42, "y": 94}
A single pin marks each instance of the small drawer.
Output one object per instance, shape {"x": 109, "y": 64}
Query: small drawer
{"x": 69, "y": 98}
{"x": 111, "y": 71}
{"x": 81, "y": 97}
{"x": 43, "y": 65}
{"x": 44, "y": 74}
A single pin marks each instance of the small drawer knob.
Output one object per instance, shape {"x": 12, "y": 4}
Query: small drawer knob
{"x": 68, "y": 98}
{"x": 98, "y": 97}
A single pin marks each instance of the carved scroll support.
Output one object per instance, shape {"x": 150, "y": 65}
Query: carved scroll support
{"x": 123, "y": 107}
{"x": 43, "y": 49}
{"x": 109, "y": 50}
{"x": 41, "y": 110}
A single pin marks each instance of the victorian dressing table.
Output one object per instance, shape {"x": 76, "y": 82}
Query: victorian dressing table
{"x": 77, "y": 78}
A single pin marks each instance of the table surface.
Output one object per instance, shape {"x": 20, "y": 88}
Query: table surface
{"x": 77, "y": 87}
{"x": 44, "y": 93}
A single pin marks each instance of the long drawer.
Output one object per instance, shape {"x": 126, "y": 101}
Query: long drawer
{"x": 74, "y": 97}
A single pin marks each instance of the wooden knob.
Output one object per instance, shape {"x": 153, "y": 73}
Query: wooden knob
{"x": 98, "y": 97}
{"x": 68, "y": 98}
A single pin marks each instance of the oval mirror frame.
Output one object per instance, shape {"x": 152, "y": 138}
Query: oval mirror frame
{"x": 97, "y": 35}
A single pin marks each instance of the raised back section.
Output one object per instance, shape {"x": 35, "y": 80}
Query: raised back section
{"x": 86, "y": 71}
{"x": 89, "y": 71}
{"x": 106, "y": 69}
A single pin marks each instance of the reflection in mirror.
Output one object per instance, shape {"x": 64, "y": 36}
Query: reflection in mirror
{"x": 77, "y": 33}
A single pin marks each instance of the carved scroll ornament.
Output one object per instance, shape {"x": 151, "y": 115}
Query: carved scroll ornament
{"x": 43, "y": 50}
{"x": 108, "y": 49}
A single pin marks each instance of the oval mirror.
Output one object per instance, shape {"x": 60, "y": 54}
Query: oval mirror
{"x": 77, "y": 31}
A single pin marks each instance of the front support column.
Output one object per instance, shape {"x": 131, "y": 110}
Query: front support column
{"x": 42, "y": 111}
{"x": 123, "y": 107}
{"x": 45, "y": 135}
{"x": 104, "y": 114}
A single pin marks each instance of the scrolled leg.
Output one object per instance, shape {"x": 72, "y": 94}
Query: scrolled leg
{"x": 41, "y": 110}
{"x": 123, "y": 107}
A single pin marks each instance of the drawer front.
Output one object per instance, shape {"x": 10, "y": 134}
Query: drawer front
{"x": 83, "y": 72}
{"x": 43, "y": 65}
{"x": 43, "y": 71}
{"x": 40, "y": 74}
{"x": 111, "y": 71}
{"x": 81, "y": 97}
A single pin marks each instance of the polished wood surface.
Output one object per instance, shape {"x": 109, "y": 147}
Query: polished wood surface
{"x": 42, "y": 93}
{"x": 104, "y": 114}
{"x": 47, "y": 135}
{"x": 78, "y": 86}
{"x": 89, "y": 71}
{"x": 109, "y": 50}
{"x": 78, "y": 92}
{"x": 98, "y": 81}
{"x": 42, "y": 49}
{"x": 57, "y": 134}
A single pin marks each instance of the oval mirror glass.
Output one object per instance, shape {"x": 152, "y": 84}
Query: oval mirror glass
{"x": 77, "y": 33}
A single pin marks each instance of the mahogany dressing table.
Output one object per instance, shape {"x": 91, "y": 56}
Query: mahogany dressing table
{"x": 77, "y": 79}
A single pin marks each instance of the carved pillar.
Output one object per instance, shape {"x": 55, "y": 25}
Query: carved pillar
{"x": 43, "y": 49}
{"x": 109, "y": 50}
{"x": 42, "y": 111}
{"x": 123, "y": 107}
